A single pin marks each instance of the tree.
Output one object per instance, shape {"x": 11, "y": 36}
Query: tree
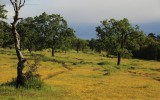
{"x": 92, "y": 44}
{"x": 29, "y": 36}
{"x": 80, "y": 44}
{"x": 2, "y": 23}
{"x": 17, "y": 5}
{"x": 98, "y": 46}
{"x": 107, "y": 36}
{"x": 3, "y": 12}
{"x": 67, "y": 39}
{"x": 6, "y": 39}
{"x": 150, "y": 49}
{"x": 117, "y": 36}
{"x": 54, "y": 31}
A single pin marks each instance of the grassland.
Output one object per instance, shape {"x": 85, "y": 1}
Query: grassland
{"x": 81, "y": 76}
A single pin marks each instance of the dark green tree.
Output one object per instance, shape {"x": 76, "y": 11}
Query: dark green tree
{"x": 6, "y": 39}
{"x": 29, "y": 35}
{"x": 116, "y": 36}
{"x": 107, "y": 36}
{"x": 92, "y": 44}
{"x": 80, "y": 45}
{"x": 54, "y": 31}
{"x": 67, "y": 39}
{"x": 2, "y": 23}
{"x": 150, "y": 49}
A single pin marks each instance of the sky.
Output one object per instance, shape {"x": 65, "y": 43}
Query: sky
{"x": 85, "y": 15}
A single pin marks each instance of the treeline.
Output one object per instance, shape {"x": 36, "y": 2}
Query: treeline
{"x": 149, "y": 48}
{"x": 116, "y": 37}
{"x": 42, "y": 32}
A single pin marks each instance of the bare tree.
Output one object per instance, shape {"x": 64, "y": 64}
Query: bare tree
{"x": 17, "y": 5}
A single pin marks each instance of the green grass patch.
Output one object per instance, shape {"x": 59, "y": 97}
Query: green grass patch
{"x": 103, "y": 63}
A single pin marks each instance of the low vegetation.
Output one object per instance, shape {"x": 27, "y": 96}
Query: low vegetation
{"x": 87, "y": 76}
{"x": 53, "y": 64}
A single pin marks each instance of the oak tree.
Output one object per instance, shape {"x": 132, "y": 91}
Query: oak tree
{"x": 119, "y": 37}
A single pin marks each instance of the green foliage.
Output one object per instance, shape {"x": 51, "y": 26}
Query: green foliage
{"x": 32, "y": 77}
{"x": 96, "y": 45}
{"x": 4, "y": 28}
{"x": 118, "y": 37}
{"x": 125, "y": 53}
{"x": 34, "y": 83}
{"x": 150, "y": 49}
{"x": 81, "y": 45}
{"x": 45, "y": 31}
{"x": 103, "y": 63}
{"x": 6, "y": 39}
{"x": 28, "y": 33}
{"x": 2, "y": 12}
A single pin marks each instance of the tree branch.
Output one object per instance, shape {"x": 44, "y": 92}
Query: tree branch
{"x": 20, "y": 4}
{"x": 13, "y": 5}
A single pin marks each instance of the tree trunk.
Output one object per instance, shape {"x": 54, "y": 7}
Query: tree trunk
{"x": 77, "y": 49}
{"x": 17, "y": 4}
{"x": 108, "y": 53}
{"x": 119, "y": 59}
{"x": 20, "y": 77}
{"x": 52, "y": 51}
{"x": 30, "y": 50}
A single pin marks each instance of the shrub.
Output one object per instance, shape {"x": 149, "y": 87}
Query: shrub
{"x": 103, "y": 63}
{"x": 33, "y": 83}
{"x": 31, "y": 76}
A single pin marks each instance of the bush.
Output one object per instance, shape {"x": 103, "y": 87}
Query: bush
{"x": 33, "y": 83}
{"x": 103, "y": 63}
{"x": 31, "y": 77}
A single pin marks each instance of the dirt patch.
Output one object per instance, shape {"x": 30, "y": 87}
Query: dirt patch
{"x": 149, "y": 75}
{"x": 53, "y": 75}
{"x": 158, "y": 70}
{"x": 65, "y": 66}
{"x": 157, "y": 78}
{"x": 107, "y": 72}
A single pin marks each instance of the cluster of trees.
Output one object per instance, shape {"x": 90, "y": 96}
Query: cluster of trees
{"x": 42, "y": 32}
{"x": 119, "y": 38}
{"x": 116, "y": 37}
{"x": 150, "y": 49}
{"x": 5, "y": 29}
{"x": 45, "y": 31}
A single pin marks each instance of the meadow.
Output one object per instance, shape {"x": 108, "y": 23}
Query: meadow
{"x": 83, "y": 76}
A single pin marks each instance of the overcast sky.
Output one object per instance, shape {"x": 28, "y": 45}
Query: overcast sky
{"x": 85, "y": 15}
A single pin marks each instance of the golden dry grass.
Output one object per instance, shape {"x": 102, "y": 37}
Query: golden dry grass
{"x": 85, "y": 80}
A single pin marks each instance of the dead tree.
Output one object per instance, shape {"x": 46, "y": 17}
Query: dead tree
{"x": 17, "y": 5}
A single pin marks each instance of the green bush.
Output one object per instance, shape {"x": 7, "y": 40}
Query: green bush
{"x": 103, "y": 63}
{"x": 34, "y": 83}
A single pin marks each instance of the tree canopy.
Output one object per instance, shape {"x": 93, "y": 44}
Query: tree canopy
{"x": 46, "y": 31}
{"x": 119, "y": 37}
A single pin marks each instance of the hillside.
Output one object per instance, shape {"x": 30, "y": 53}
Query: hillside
{"x": 83, "y": 76}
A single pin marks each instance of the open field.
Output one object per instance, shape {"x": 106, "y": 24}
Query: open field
{"x": 80, "y": 76}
